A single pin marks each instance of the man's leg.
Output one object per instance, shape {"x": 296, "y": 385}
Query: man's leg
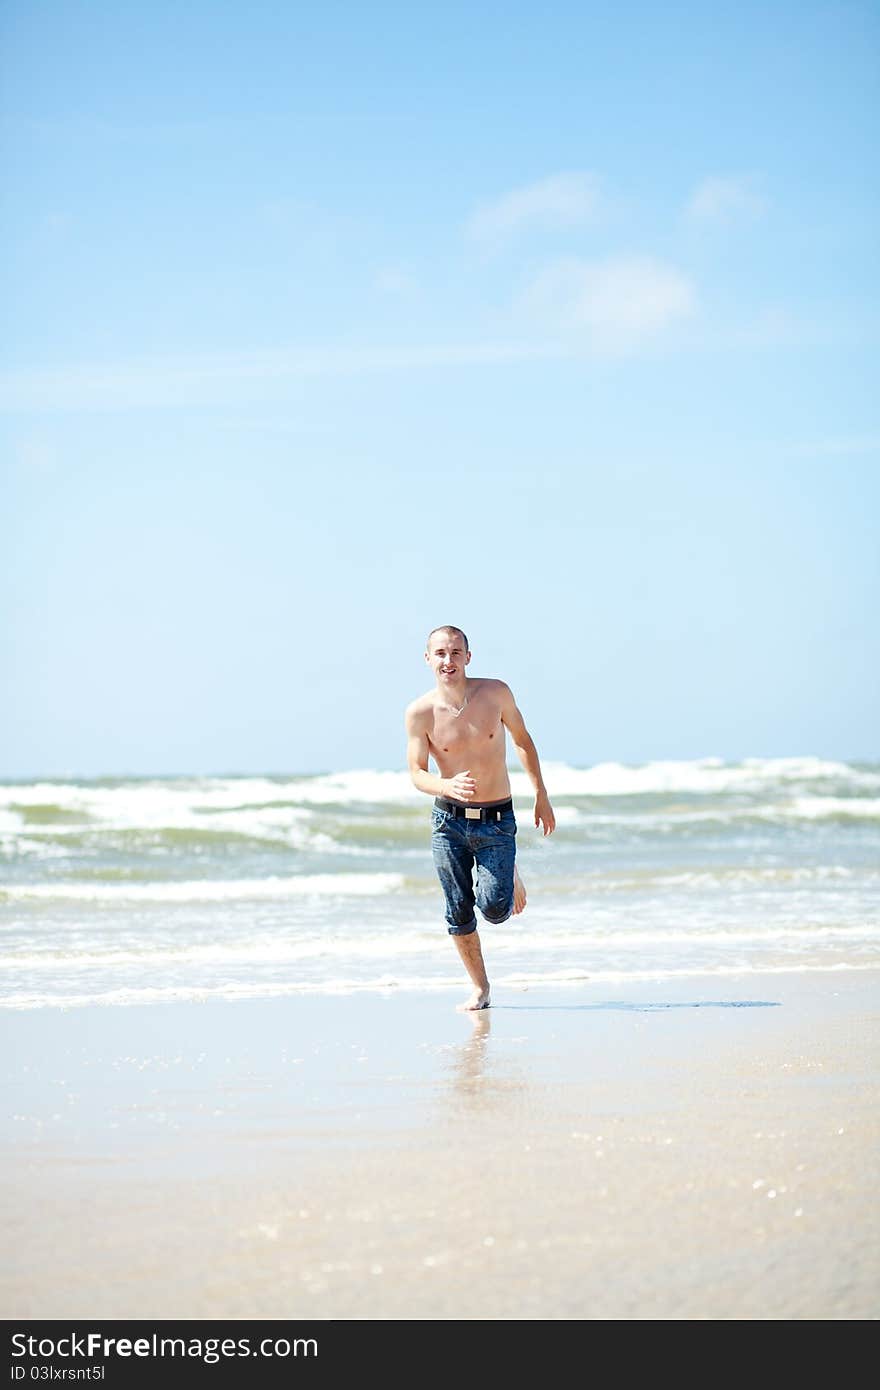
{"x": 519, "y": 892}
{"x": 454, "y": 863}
{"x": 472, "y": 959}
{"x": 500, "y": 892}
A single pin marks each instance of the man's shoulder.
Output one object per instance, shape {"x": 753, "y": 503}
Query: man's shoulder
{"x": 421, "y": 708}
{"x": 492, "y": 686}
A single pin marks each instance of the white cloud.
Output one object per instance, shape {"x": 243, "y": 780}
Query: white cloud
{"x": 241, "y": 379}
{"x": 725, "y": 198}
{"x": 562, "y": 200}
{"x": 611, "y": 305}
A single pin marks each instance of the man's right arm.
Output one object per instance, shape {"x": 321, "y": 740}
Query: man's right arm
{"x": 460, "y": 787}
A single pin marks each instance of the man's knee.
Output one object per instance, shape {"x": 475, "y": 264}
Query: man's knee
{"x": 497, "y": 911}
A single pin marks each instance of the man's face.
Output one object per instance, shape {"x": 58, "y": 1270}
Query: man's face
{"x": 447, "y": 657}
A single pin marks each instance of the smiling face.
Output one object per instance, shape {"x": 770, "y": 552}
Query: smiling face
{"x": 447, "y": 656}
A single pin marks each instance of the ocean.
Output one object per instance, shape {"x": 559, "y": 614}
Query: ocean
{"x": 122, "y": 891}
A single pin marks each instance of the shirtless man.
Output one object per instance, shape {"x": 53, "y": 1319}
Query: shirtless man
{"x": 461, "y": 725}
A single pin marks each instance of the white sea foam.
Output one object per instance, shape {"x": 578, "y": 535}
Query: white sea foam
{"x": 258, "y": 953}
{"x": 619, "y": 939}
{"x": 784, "y": 876}
{"x": 146, "y": 801}
{"x": 579, "y": 977}
{"x": 211, "y": 890}
{"x": 699, "y": 775}
{"x": 188, "y": 885}
{"x": 655, "y": 880}
{"x": 241, "y": 807}
{"x": 518, "y": 981}
{"x": 553, "y": 942}
{"x": 129, "y": 995}
{"x": 705, "y": 775}
{"x": 669, "y": 818}
{"x": 164, "y": 801}
{"x": 176, "y": 801}
{"x": 820, "y": 807}
{"x": 360, "y": 785}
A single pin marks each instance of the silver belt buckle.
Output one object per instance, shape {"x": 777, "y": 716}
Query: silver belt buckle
{"x": 472, "y": 813}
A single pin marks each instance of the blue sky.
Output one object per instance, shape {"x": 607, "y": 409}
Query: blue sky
{"x": 329, "y": 324}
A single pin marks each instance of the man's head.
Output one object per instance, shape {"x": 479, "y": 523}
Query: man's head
{"x": 447, "y": 653}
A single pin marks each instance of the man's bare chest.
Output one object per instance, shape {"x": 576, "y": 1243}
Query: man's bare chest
{"x": 474, "y": 730}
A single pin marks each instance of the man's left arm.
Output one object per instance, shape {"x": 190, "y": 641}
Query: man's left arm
{"x": 528, "y": 756}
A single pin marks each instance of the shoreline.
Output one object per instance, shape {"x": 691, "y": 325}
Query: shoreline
{"x": 690, "y": 1148}
{"x": 519, "y": 982}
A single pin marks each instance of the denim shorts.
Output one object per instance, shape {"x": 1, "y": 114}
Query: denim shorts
{"x": 459, "y": 846}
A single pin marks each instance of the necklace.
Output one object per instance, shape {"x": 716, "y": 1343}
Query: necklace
{"x": 456, "y": 712}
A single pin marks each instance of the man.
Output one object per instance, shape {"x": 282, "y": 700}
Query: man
{"x": 461, "y": 724}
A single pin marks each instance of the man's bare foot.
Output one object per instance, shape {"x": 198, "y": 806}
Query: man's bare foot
{"x": 478, "y": 1000}
{"x": 519, "y": 892}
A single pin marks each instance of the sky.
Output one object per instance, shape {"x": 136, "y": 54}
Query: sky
{"x": 327, "y": 324}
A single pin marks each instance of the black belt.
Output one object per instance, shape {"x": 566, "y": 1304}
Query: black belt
{"x": 481, "y": 813}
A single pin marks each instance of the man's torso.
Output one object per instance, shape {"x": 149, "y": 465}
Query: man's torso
{"x": 473, "y": 740}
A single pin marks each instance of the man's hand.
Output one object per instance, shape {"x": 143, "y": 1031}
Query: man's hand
{"x": 461, "y": 787}
{"x": 544, "y": 813}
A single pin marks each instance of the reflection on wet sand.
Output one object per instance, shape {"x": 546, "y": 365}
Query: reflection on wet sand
{"x": 471, "y": 1059}
{"x": 476, "y": 1077}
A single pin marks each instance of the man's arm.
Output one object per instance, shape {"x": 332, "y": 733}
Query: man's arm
{"x": 461, "y": 787}
{"x": 528, "y": 756}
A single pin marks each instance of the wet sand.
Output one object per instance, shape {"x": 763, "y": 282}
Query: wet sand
{"x": 704, "y": 1148}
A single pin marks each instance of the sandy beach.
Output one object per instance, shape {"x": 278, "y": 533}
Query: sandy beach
{"x": 699, "y": 1150}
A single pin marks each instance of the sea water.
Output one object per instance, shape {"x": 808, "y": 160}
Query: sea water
{"x": 129, "y": 890}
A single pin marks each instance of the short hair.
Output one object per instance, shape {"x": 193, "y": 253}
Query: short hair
{"x": 450, "y": 628}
